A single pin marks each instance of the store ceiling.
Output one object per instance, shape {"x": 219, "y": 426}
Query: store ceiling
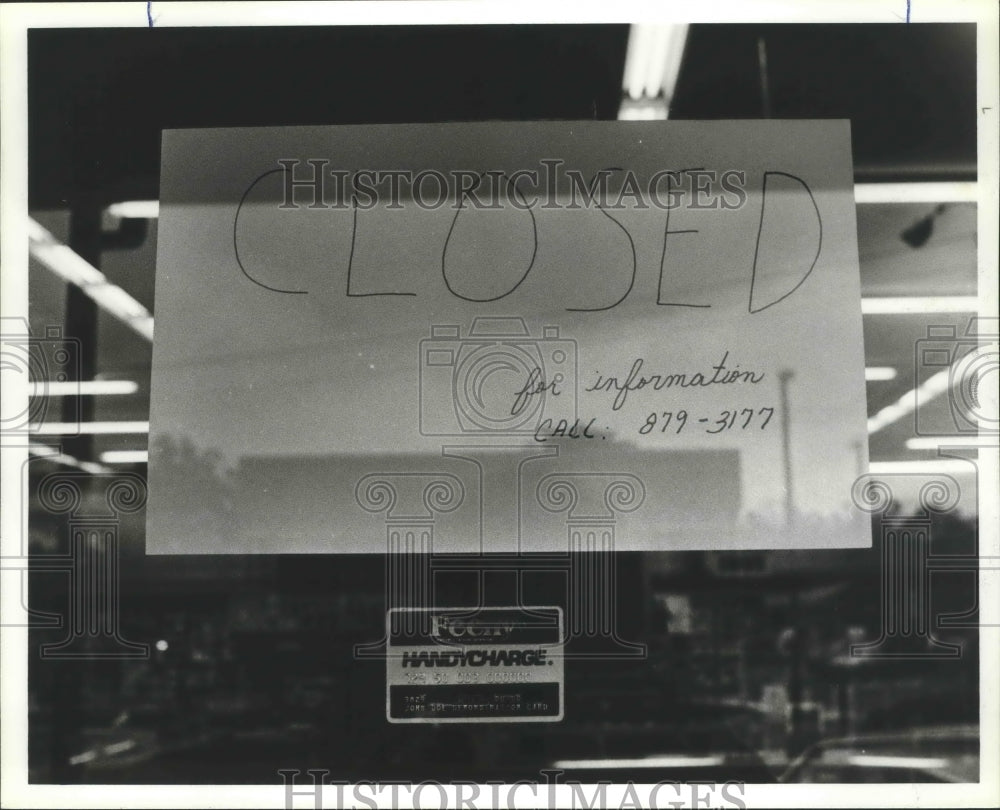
{"x": 909, "y": 90}
{"x": 98, "y": 100}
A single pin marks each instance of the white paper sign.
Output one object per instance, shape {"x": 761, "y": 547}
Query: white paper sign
{"x": 507, "y": 332}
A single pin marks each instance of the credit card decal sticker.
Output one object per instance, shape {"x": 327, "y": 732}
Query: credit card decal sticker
{"x": 474, "y": 665}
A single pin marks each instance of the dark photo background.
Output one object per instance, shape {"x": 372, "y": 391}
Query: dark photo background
{"x": 251, "y": 667}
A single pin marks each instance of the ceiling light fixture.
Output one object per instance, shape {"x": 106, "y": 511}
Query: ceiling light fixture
{"x": 664, "y": 761}
{"x": 936, "y": 442}
{"x": 125, "y": 456}
{"x": 135, "y": 209}
{"x": 919, "y": 232}
{"x": 53, "y": 455}
{"x": 89, "y": 428}
{"x": 86, "y": 388}
{"x": 880, "y": 193}
{"x": 880, "y": 374}
{"x": 646, "y": 107}
{"x": 73, "y": 268}
{"x": 915, "y": 305}
{"x": 906, "y": 404}
{"x": 652, "y": 65}
{"x": 951, "y": 466}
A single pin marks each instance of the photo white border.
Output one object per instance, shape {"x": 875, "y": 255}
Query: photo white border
{"x": 16, "y": 19}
